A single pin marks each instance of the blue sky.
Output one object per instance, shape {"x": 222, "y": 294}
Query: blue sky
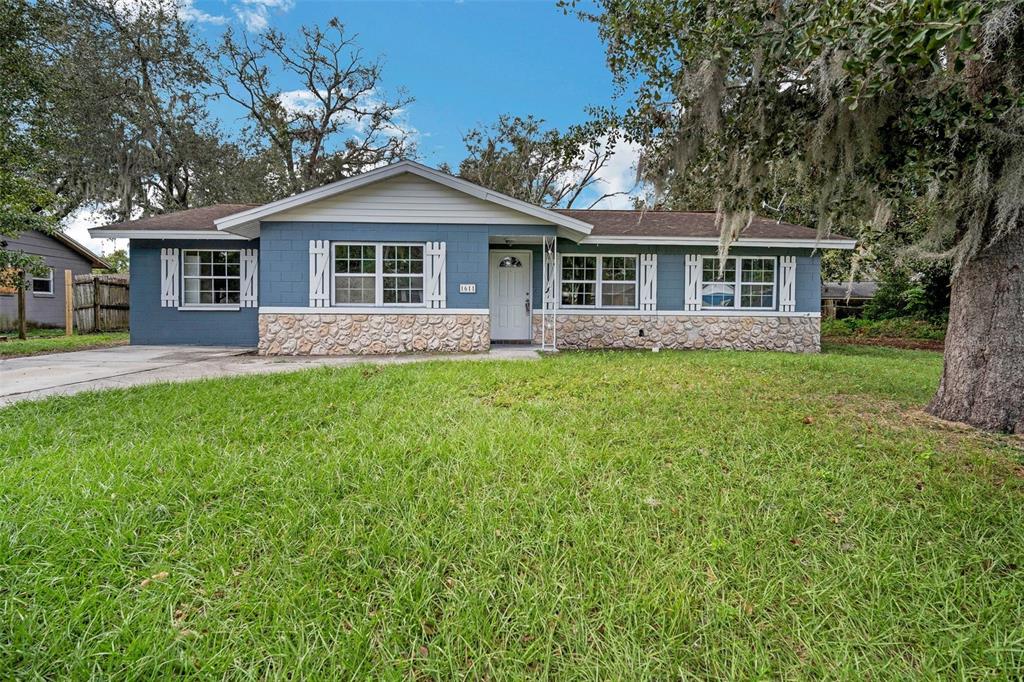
{"x": 464, "y": 63}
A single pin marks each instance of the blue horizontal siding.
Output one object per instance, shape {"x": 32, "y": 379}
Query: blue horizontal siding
{"x": 284, "y": 274}
{"x": 284, "y": 254}
{"x": 152, "y": 324}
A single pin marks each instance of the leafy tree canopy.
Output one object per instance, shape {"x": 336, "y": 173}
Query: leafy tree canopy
{"x": 863, "y": 104}
{"x": 517, "y": 156}
{"x": 870, "y": 105}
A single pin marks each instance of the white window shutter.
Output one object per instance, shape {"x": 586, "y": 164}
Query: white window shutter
{"x": 694, "y": 275}
{"x": 434, "y": 274}
{"x": 787, "y": 284}
{"x": 250, "y": 278}
{"x": 319, "y": 274}
{"x": 648, "y": 281}
{"x": 169, "y": 280}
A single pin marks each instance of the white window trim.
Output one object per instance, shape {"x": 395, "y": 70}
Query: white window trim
{"x": 597, "y": 288}
{"x": 738, "y": 283}
{"x": 378, "y": 277}
{"x": 209, "y": 306}
{"x": 48, "y": 278}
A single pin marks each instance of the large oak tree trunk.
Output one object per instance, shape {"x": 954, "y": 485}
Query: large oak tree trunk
{"x": 983, "y": 377}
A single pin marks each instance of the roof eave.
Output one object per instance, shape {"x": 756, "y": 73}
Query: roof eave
{"x": 843, "y": 244}
{"x": 104, "y": 233}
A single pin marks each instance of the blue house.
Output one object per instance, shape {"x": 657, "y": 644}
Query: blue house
{"x": 406, "y": 258}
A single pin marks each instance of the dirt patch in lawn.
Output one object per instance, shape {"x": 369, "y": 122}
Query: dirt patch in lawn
{"x": 889, "y": 341}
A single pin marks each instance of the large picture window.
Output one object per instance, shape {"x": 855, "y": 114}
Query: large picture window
{"x": 599, "y": 281}
{"x": 378, "y": 274}
{"x": 212, "y": 277}
{"x": 746, "y": 283}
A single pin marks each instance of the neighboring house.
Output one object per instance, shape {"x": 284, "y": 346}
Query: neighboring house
{"x": 406, "y": 258}
{"x": 44, "y": 300}
{"x": 845, "y": 299}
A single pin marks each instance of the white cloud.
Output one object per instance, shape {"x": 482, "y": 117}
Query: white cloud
{"x": 255, "y": 14}
{"x": 618, "y": 178}
{"x": 189, "y": 12}
{"x": 185, "y": 9}
{"x": 77, "y": 227}
{"x": 298, "y": 101}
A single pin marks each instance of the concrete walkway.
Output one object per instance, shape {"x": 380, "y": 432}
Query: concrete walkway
{"x": 40, "y": 376}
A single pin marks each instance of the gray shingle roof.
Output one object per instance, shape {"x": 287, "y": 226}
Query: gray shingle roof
{"x": 682, "y": 224}
{"x": 189, "y": 219}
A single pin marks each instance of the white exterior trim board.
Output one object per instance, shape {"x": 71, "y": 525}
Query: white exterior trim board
{"x": 705, "y": 241}
{"x": 371, "y": 310}
{"x": 592, "y": 312}
{"x": 211, "y": 307}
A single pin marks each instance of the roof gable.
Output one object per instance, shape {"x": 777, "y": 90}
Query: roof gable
{"x": 402, "y": 192}
{"x": 407, "y": 198}
{"x": 80, "y": 249}
{"x": 51, "y": 245}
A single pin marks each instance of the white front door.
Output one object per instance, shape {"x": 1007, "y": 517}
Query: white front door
{"x": 511, "y": 276}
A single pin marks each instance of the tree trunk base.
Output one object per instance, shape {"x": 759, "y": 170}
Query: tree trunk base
{"x": 983, "y": 375}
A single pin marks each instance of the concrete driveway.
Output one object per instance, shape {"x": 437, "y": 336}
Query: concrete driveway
{"x": 40, "y": 376}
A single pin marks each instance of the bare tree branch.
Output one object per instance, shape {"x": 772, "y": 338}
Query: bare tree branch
{"x": 337, "y": 125}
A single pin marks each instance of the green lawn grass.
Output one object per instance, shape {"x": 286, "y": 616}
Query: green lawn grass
{"x": 42, "y": 341}
{"x": 589, "y": 515}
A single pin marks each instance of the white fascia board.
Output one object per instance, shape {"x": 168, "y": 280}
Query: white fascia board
{"x": 704, "y": 241}
{"x": 252, "y": 216}
{"x": 634, "y": 312}
{"x": 103, "y": 233}
{"x": 369, "y": 310}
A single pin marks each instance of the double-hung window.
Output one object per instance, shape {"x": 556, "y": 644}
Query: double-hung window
{"x": 378, "y": 274}
{"x": 355, "y": 274}
{"x": 212, "y": 277}
{"x": 744, "y": 283}
{"x": 43, "y": 286}
{"x": 599, "y": 281}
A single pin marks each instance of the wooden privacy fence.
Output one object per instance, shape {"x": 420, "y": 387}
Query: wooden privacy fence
{"x": 101, "y": 303}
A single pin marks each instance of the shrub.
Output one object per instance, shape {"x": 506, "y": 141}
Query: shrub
{"x": 899, "y": 327}
{"x": 919, "y": 293}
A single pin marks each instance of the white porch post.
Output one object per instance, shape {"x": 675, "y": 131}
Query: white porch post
{"x": 549, "y": 313}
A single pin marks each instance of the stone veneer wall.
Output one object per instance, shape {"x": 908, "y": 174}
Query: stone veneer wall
{"x": 372, "y": 334}
{"x": 770, "y": 332}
